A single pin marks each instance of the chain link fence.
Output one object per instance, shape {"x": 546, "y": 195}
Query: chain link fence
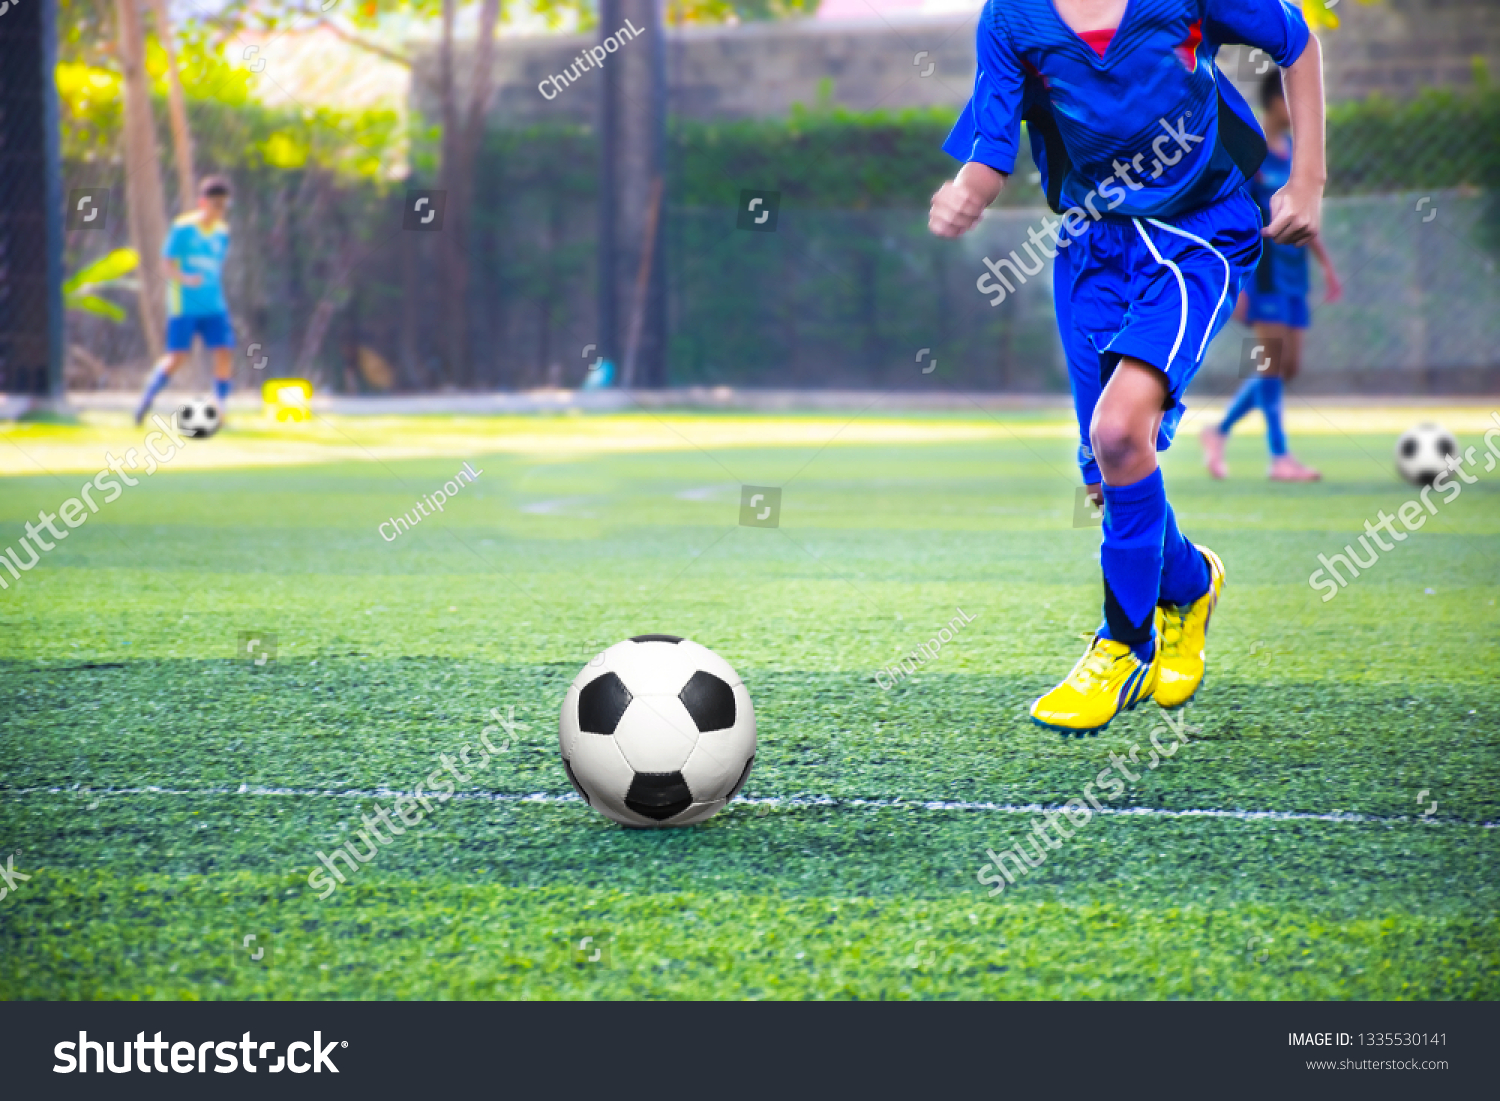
{"x": 330, "y": 278}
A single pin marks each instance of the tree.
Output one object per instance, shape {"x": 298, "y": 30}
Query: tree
{"x": 463, "y": 130}
{"x": 145, "y": 203}
{"x": 182, "y": 136}
{"x": 463, "y": 106}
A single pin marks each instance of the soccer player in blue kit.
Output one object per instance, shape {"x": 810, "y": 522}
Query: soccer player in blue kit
{"x": 195, "y": 252}
{"x": 1274, "y": 304}
{"x": 1148, "y": 152}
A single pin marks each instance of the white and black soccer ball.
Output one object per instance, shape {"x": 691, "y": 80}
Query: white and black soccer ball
{"x": 1421, "y": 453}
{"x": 198, "y": 418}
{"x": 657, "y": 731}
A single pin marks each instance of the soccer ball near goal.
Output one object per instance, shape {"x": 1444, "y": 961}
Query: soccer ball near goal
{"x": 657, "y": 731}
{"x": 198, "y": 418}
{"x": 1421, "y": 453}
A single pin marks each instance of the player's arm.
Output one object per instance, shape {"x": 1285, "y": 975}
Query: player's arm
{"x": 986, "y": 137}
{"x": 1297, "y": 209}
{"x": 171, "y": 252}
{"x": 1334, "y": 289}
{"x": 961, "y": 201}
{"x": 177, "y": 275}
{"x": 1278, "y": 28}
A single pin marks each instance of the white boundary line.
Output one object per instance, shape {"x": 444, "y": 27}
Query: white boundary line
{"x": 789, "y": 801}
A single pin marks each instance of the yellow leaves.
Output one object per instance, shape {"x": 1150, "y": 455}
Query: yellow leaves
{"x": 82, "y": 86}
{"x": 283, "y": 150}
{"x": 1320, "y": 15}
{"x": 82, "y": 80}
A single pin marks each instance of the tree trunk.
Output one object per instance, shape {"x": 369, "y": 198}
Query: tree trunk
{"x": 463, "y": 131}
{"x": 182, "y": 135}
{"x": 454, "y": 271}
{"x": 633, "y": 132}
{"x": 145, "y": 204}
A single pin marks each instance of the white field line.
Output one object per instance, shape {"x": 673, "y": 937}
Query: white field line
{"x": 789, "y": 801}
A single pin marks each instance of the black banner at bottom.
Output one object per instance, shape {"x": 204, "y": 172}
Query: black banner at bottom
{"x": 334, "y": 1049}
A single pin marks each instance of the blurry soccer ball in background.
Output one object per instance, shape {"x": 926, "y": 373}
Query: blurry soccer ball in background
{"x": 198, "y": 418}
{"x": 1421, "y": 453}
{"x": 657, "y": 731}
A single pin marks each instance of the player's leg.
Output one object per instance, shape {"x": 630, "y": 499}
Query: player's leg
{"x": 1083, "y": 369}
{"x": 1150, "y": 293}
{"x": 180, "y": 332}
{"x": 219, "y": 336}
{"x": 1215, "y": 436}
{"x": 1135, "y": 518}
{"x": 223, "y": 374}
{"x": 1119, "y": 669}
{"x": 1268, "y": 388}
{"x": 1285, "y": 467}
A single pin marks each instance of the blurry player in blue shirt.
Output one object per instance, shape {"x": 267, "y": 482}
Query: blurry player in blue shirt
{"x": 195, "y": 250}
{"x": 1148, "y": 155}
{"x": 1274, "y": 303}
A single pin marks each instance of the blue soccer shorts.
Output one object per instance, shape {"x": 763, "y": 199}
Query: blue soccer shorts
{"x": 1281, "y": 309}
{"x": 1157, "y": 290}
{"x": 215, "y": 328}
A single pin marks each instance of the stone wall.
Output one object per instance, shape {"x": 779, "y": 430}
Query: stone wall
{"x": 1395, "y": 47}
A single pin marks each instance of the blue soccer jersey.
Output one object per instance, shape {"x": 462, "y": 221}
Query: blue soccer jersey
{"x": 1282, "y": 268}
{"x": 1146, "y": 130}
{"x": 201, "y": 253}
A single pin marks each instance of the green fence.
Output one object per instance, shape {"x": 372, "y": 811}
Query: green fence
{"x": 848, "y": 289}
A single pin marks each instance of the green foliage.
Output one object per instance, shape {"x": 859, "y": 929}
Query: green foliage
{"x": 818, "y": 157}
{"x": 351, "y": 146}
{"x": 1440, "y": 138}
{"x": 107, "y": 271}
{"x": 830, "y": 157}
{"x": 232, "y": 134}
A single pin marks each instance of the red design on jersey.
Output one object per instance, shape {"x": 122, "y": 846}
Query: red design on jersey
{"x": 1032, "y": 70}
{"x": 1099, "y": 40}
{"x": 1187, "y": 51}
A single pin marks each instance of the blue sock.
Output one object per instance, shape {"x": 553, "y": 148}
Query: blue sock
{"x": 154, "y": 385}
{"x": 221, "y": 390}
{"x": 1270, "y": 407}
{"x": 1184, "y": 571}
{"x": 1134, "y": 518}
{"x": 1244, "y": 401}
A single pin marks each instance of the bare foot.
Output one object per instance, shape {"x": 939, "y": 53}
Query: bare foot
{"x": 1213, "y": 452}
{"x": 1286, "y": 468}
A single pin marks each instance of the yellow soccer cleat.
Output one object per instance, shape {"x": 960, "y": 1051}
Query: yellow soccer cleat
{"x": 1182, "y": 631}
{"x": 1108, "y": 679}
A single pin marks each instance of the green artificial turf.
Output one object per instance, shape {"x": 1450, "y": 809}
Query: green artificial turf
{"x": 168, "y": 798}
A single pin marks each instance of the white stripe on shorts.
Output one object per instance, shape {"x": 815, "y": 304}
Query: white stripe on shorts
{"x": 1181, "y": 289}
{"x": 1220, "y": 304}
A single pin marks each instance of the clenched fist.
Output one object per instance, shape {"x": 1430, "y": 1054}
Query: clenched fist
{"x": 960, "y": 202}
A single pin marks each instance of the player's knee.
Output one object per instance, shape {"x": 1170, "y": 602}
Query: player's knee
{"x": 1116, "y": 444}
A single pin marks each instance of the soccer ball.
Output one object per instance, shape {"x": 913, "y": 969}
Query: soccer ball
{"x": 198, "y": 418}
{"x": 657, "y": 731}
{"x": 1421, "y": 451}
